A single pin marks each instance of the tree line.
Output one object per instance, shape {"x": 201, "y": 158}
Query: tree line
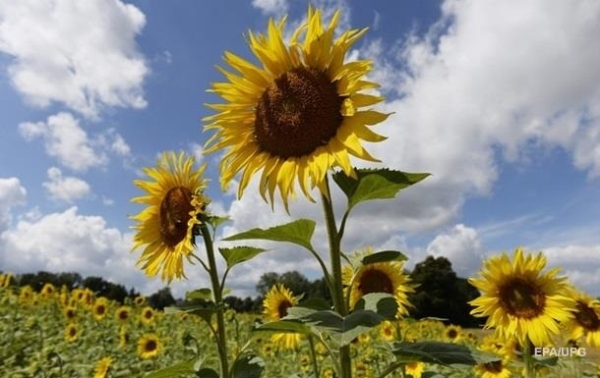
{"x": 439, "y": 292}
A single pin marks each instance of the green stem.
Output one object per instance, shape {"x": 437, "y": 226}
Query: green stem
{"x": 336, "y": 271}
{"x": 313, "y": 355}
{"x": 217, "y": 293}
{"x": 528, "y": 357}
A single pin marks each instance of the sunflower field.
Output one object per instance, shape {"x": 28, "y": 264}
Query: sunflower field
{"x": 293, "y": 118}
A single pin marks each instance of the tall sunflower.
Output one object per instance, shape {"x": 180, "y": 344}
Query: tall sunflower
{"x": 381, "y": 277}
{"x": 297, "y": 114}
{"x": 275, "y": 304}
{"x": 520, "y": 300}
{"x": 586, "y": 320}
{"x": 173, "y": 202}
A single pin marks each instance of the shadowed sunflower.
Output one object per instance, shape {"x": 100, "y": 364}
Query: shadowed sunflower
{"x": 381, "y": 277}
{"x": 122, "y": 314}
{"x": 296, "y": 116}
{"x": 493, "y": 369}
{"x": 520, "y": 300}
{"x": 102, "y": 367}
{"x": 148, "y": 346}
{"x": 275, "y": 304}
{"x": 586, "y": 321}
{"x": 174, "y": 202}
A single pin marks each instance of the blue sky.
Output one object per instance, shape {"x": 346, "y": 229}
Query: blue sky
{"x": 499, "y": 101}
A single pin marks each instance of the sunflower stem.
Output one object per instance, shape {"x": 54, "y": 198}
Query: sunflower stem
{"x": 313, "y": 355}
{"x": 336, "y": 271}
{"x": 217, "y": 293}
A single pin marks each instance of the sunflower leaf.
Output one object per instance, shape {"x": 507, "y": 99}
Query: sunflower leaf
{"x": 434, "y": 352}
{"x": 284, "y": 326}
{"x": 384, "y": 256}
{"x": 298, "y": 232}
{"x": 236, "y": 255}
{"x": 203, "y": 293}
{"x": 248, "y": 367}
{"x": 204, "y": 312}
{"x": 382, "y": 304}
{"x": 372, "y": 184}
{"x": 215, "y": 221}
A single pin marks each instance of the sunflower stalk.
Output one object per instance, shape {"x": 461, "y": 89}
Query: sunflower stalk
{"x": 217, "y": 293}
{"x": 337, "y": 294}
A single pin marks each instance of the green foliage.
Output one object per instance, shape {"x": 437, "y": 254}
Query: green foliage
{"x": 161, "y": 298}
{"x": 297, "y": 232}
{"x": 384, "y": 256}
{"x": 236, "y": 255}
{"x": 434, "y": 352}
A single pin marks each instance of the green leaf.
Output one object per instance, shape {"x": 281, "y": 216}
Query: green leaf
{"x": 203, "y": 293}
{"x": 186, "y": 367}
{"x": 248, "y": 367}
{"x": 374, "y": 184}
{"x": 298, "y": 232}
{"x": 203, "y": 312}
{"x": 236, "y": 255}
{"x": 207, "y": 373}
{"x": 550, "y": 361}
{"x": 434, "y": 352}
{"x": 316, "y": 303}
{"x": 383, "y": 304}
{"x": 384, "y": 256}
{"x": 216, "y": 221}
{"x": 284, "y": 326}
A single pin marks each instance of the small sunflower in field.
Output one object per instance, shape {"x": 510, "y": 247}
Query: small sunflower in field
{"x": 518, "y": 299}
{"x": 100, "y": 308}
{"x": 123, "y": 337}
{"x": 298, "y": 115}
{"x": 26, "y": 294}
{"x": 414, "y": 369}
{"x": 70, "y": 312}
{"x": 166, "y": 227}
{"x": 148, "y": 346}
{"x": 147, "y": 315}
{"x": 48, "y": 290}
{"x": 586, "y": 321}
{"x": 5, "y": 279}
{"x": 494, "y": 369}
{"x": 387, "y": 330}
{"x": 275, "y": 304}
{"x": 139, "y": 301}
{"x": 71, "y": 332}
{"x": 122, "y": 314}
{"x": 102, "y": 367}
{"x": 453, "y": 333}
{"x": 381, "y": 277}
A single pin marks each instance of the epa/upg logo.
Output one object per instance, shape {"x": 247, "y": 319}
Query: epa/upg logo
{"x": 559, "y": 352}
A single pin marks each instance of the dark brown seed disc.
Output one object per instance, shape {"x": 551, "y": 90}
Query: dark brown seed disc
{"x": 522, "y": 298}
{"x": 175, "y": 211}
{"x": 298, "y": 113}
{"x": 587, "y": 317}
{"x": 375, "y": 281}
{"x": 282, "y": 308}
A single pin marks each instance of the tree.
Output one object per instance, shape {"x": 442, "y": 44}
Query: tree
{"x": 440, "y": 293}
{"x": 161, "y": 299}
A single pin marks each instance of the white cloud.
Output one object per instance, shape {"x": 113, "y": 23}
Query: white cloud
{"x": 11, "y": 194}
{"x": 65, "y": 189}
{"x": 65, "y": 52}
{"x": 272, "y": 7}
{"x": 197, "y": 151}
{"x": 462, "y": 246}
{"x": 486, "y": 77}
{"x": 66, "y": 140}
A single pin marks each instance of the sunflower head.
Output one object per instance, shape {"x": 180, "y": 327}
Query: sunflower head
{"x": 414, "y": 369}
{"x": 493, "y": 369}
{"x": 71, "y": 333}
{"x": 122, "y": 314}
{"x": 381, "y": 277}
{"x": 147, "y": 315}
{"x": 453, "y": 333}
{"x": 148, "y": 346}
{"x": 100, "y": 308}
{"x": 174, "y": 204}
{"x": 586, "y": 319}
{"x": 102, "y": 367}
{"x": 520, "y": 300}
{"x": 296, "y": 114}
{"x": 276, "y": 303}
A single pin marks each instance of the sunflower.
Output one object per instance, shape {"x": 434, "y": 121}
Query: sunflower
{"x": 493, "y": 369}
{"x": 102, "y": 367}
{"x": 174, "y": 202}
{"x": 123, "y": 337}
{"x": 453, "y": 333}
{"x": 100, "y": 308}
{"x": 148, "y": 346}
{"x": 122, "y": 314}
{"x": 296, "y": 116}
{"x": 414, "y": 369}
{"x": 71, "y": 333}
{"x": 275, "y": 304}
{"x": 520, "y": 300}
{"x": 387, "y": 330}
{"x": 381, "y": 277}
{"x": 586, "y": 321}
{"x": 26, "y": 294}
{"x": 70, "y": 313}
{"x": 140, "y": 300}
{"x": 147, "y": 315}
{"x": 48, "y": 290}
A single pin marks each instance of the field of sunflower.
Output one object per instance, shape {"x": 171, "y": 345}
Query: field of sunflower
{"x": 61, "y": 333}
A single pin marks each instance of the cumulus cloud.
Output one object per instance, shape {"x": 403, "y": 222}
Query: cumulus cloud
{"x": 462, "y": 246}
{"x": 197, "y": 151}
{"x": 69, "y": 241}
{"x": 70, "y": 144}
{"x": 65, "y": 189}
{"x": 11, "y": 194}
{"x": 271, "y": 7}
{"x": 64, "y": 52}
